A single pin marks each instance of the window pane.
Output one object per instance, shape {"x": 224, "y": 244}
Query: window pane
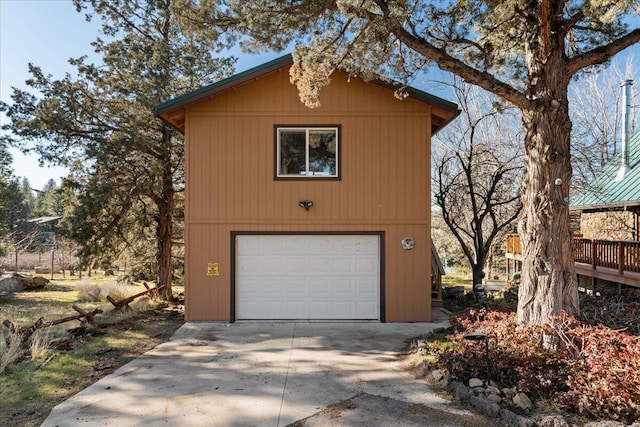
{"x": 322, "y": 152}
{"x": 292, "y": 152}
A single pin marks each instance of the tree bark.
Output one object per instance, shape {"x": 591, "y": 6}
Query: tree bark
{"x": 164, "y": 220}
{"x": 549, "y": 284}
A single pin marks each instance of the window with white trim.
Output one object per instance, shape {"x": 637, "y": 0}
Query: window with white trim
{"x": 307, "y": 152}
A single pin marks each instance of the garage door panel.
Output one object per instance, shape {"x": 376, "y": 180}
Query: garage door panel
{"x": 320, "y": 288}
{"x": 362, "y": 308}
{"x": 319, "y": 265}
{"x": 366, "y": 265}
{"x": 341, "y": 266}
{"x": 308, "y": 277}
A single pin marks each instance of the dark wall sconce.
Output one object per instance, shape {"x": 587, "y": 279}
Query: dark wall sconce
{"x": 305, "y": 204}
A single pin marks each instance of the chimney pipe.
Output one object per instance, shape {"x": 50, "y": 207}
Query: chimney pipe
{"x": 626, "y": 129}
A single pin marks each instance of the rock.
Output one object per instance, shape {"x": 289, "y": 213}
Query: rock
{"x": 19, "y": 282}
{"x": 606, "y": 424}
{"x": 459, "y": 389}
{"x": 39, "y": 282}
{"x": 437, "y": 375}
{"x": 513, "y": 419}
{"x": 478, "y": 391}
{"x": 444, "y": 382}
{"x": 494, "y": 398}
{"x": 10, "y": 284}
{"x": 522, "y": 401}
{"x": 490, "y": 408}
{"x": 554, "y": 420}
{"x": 422, "y": 344}
{"x": 476, "y": 382}
{"x": 492, "y": 390}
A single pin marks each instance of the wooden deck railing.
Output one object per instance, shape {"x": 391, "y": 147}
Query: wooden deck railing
{"x": 622, "y": 256}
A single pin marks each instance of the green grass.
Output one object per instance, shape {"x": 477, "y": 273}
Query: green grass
{"x": 458, "y": 277}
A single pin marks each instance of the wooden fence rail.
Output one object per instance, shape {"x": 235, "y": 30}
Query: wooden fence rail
{"x": 619, "y": 255}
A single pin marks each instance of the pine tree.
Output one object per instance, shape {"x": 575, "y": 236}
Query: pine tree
{"x": 126, "y": 164}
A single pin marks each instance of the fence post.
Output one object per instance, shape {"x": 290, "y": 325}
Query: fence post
{"x": 620, "y": 257}
{"x": 593, "y": 253}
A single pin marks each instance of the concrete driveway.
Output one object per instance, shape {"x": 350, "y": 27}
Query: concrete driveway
{"x": 263, "y": 374}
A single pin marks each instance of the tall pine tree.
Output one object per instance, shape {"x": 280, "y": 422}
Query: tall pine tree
{"x": 126, "y": 165}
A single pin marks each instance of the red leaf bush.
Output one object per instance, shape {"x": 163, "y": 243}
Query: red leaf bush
{"x": 592, "y": 370}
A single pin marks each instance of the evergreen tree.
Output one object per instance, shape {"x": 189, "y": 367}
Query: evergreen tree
{"x": 127, "y": 165}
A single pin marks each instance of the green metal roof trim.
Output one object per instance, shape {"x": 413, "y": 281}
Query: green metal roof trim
{"x": 605, "y": 192}
{"x": 212, "y": 89}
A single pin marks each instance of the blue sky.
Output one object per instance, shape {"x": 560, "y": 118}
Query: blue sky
{"x": 48, "y": 33}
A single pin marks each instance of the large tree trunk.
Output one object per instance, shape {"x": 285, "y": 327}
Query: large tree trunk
{"x": 164, "y": 224}
{"x": 549, "y": 284}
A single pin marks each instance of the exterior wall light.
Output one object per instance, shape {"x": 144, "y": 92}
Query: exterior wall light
{"x": 305, "y": 204}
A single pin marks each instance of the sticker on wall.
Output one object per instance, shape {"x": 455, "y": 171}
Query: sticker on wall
{"x": 213, "y": 269}
{"x": 408, "y": 243}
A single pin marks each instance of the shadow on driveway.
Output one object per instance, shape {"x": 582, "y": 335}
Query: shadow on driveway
{"x": 266, "y": 374}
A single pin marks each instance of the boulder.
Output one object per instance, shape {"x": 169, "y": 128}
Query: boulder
{"x": 552, "y": 420}
{"x": 476, "y": 382}
{"x": 19, "y": 282}
{"x": 10, "y": 284}
{"x": 522, "y": 401}
{"x": 437, "y": 375}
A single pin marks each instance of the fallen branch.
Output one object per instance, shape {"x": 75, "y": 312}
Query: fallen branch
{"x": 123, "y": 305}
{"x": 26, "y": 331}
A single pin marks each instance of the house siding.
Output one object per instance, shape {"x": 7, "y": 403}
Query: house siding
{"x": 609, "y": 225}
{"x": 384, "y": 184}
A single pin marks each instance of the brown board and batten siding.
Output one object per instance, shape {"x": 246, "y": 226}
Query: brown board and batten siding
{"x": 384, "y": 184}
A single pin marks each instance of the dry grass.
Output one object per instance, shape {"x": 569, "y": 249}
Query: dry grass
{"x": 10, "y": 350}
{"x": 97, "y": 292}
{"x": 39, "y": 343}
{"x": 31, "y": 386}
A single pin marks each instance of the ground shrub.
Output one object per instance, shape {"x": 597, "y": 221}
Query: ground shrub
{"x": 613, "y": 310}
{"x": 88, "y": 292}
{"x": 594, "y": 370}
{"x": 604, "y": 377}
{"x": 97, "y": 292}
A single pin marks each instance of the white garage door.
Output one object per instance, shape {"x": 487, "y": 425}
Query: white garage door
{"x": 308, "y": 277}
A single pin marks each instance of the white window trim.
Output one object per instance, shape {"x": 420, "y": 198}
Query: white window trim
{"x": 306, "y": 130}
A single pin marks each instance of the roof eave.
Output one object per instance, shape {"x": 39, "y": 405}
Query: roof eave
{"x": 606, "y": 206}
{"x": 224, "y": 84}
{"x": 210, "y": 90}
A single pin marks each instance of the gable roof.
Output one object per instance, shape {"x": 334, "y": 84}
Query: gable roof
{"x": 169, "y": 110}
{"x": 605, "y": 193}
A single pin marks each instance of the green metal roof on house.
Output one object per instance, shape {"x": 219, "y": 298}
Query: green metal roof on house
{"x": 217, "y": 87}
{"x": 607, "y": 193}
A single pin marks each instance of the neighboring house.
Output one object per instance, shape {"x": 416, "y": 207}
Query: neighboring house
{"x": 48, "y": 226}
{"x": 608, "y": 250}
{"x": 610, "y": 205}
{"x": 298, "y": 213}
